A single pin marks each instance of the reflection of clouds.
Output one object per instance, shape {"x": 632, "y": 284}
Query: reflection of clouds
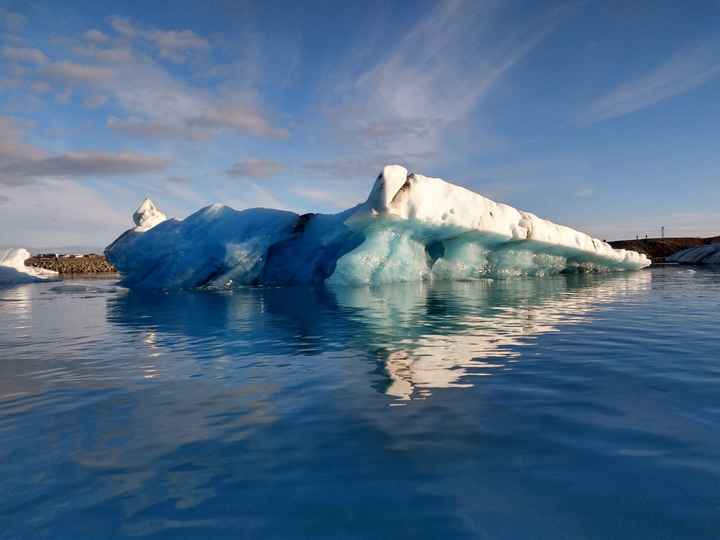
{"x": 477, "y": 344}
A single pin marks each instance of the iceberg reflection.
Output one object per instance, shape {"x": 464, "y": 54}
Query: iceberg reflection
{"x": 492, "y": 321}
{"x": 424, "y": 336}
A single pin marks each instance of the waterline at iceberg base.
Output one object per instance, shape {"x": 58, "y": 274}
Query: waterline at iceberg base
{"x": 411, "y": 228}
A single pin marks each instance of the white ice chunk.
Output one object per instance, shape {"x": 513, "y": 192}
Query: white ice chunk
{"x": 707, "y": 254}
{"x": 410, "y": 228}
{"x": 13, "y": 269}
{"x": 147, "y": 216}
{"x": 447, "y": 210}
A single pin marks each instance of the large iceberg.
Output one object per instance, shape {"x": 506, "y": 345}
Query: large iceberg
{"x": 411, "y": 228}
{"x": 707, "y": 254}
{"x": 13, "y": 270}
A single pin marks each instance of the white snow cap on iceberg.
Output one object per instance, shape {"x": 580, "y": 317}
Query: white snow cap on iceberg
{"x": 410, "y": 228}
{"x": 438, "y": 203}
{"x": 13, "y": 270}
{"x": 147, "y": 216}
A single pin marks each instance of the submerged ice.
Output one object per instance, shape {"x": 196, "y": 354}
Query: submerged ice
{"x": 411, "y": 228}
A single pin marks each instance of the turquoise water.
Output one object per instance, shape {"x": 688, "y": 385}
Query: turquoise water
{"x": 565, "y": 407}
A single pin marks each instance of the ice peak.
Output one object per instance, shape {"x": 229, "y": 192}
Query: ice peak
{"x": 147, "y": 216}
{"x": 387, "y": 184}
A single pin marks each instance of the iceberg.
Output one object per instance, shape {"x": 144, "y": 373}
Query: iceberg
{"x": 13, "y": 270}
{"x": 707, "y": 254}
{"x": 410, "y": 228}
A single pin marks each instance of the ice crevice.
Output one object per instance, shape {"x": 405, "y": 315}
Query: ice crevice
{"x": 410, "y": 228}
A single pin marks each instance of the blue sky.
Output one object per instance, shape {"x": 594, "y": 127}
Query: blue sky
{"x": 600, "y": 115}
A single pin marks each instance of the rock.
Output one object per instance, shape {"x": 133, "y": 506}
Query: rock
{"x": 85, "y": 264}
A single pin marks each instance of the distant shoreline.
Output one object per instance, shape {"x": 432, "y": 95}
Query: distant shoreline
{"x": 657, "y": 249}
{"x": 91, "y": 263}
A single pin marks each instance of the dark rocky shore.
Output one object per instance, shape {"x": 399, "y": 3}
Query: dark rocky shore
{"x": 72, "y": 264}
{"x": 659, "y": 248}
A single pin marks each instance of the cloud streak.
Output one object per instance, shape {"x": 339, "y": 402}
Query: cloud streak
{"x": 80, "y": 164}
{"x": 255, "y": 168}
{"x": 22, "y": 163}
{"x": 435, "y": 74}
{"x": 686, "y": 69}
{"x": 173, "y": 45}
{"x": 71, "y": 72}
{"x": 24, "y": 54}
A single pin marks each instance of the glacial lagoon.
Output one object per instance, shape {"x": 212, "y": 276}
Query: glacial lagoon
{"x": 570, "y": 406}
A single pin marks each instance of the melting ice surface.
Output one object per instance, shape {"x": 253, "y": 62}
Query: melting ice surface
{"x": 411, "y": 228}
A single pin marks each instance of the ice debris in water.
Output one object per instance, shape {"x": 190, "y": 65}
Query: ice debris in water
{"x": 410, "y": 228}
{"x": 13, "y": 270}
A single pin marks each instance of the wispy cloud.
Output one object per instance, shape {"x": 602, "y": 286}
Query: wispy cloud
{"x": 80, "y": 164}
{"x": 93, "y": 102}
{"x": 173, "y": 45}
{"x": 21, "y": 163}
{"x": 365, "y": 166}
{"x": 71, "y": 72}
{"x": 96, "y": 36}
{"x": 255, "y": 168}
{"x": 435, "y": 74}
{"x": 24, "y": 54}
{"x": 158, "y": 104}
{"x": 686, "y": 69}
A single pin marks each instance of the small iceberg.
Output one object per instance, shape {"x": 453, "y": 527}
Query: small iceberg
{"x": 410, "y": 228}
{"x": 13, "y": 270}
{"x": 707, "y": 254}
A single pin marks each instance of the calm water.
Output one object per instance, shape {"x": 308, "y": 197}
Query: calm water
{"x": 568, "y": 407}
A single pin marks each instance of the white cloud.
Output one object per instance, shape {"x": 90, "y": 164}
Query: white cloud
{"x": 139, "y": 127}
{"x": 80, "y": 164}
{"x": 239, "y": 118}
{"x": 110, "y": 55}
{"x": 93, "y": 102}
{"x": 434, "y": 75}
{"x": 173, "y": 45}
{"x": 96, "y": 36}
{"x": 22, "y": 163}
{"x": 255, "y": 168}
{"x": 24, "y": 54}
{"x": 122, "y": 26}
{"x": 149, "y": 99}
{"x": 40, "y": 87}
{"x": 72, "y": 72}
{"x": 11, "y": 141}
{"x": 365, "y": 166}
{"x": 683, "y": 71}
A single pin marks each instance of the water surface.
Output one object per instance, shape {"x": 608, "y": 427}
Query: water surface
{"x": 564, "y": 407}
